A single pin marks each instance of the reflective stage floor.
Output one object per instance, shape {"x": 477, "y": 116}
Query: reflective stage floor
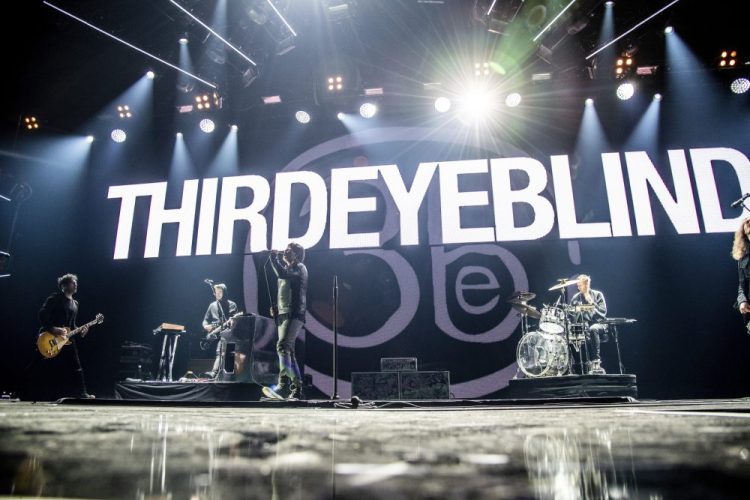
{"x": 652, "y": 450}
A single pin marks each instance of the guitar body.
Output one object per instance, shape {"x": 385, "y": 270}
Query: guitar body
{"x": 50, "y": 345}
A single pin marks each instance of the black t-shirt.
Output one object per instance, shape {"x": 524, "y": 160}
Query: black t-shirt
{"x": 58, "y": 310}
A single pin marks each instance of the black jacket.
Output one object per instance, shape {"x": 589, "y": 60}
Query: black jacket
{"x": 743, "y": 270}
{"x": 600, "y": 306}
{"x": 59, "y": 311}
{"x": 292, "y": 284}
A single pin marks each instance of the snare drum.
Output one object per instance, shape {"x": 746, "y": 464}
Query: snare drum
{"x": 552, "y": 320}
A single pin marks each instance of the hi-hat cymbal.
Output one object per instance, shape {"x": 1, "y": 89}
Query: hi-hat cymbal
{"x": 562, "y": 284}
{"x": 521, "y": 296}
{"x": 526, "y": 309}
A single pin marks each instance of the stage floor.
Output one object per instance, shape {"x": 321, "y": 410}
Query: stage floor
{"x": 678, "y": 449}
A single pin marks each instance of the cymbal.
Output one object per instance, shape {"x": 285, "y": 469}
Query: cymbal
{"x": 526, "y": 309}
{"x": 521, "y": 296}
{"x": 617, "y": 321}
{"x": 563, "y": 283}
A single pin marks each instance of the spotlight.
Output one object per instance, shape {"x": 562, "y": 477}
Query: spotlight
{"x": 657, "y": 97}
{"x": 207, "y": 101}
{"x": 368, "y": 110}
{"x": 512, "y": 100}
{"x": 124, "y": 111}
{"x": 442, "y": 104}
{"x": 150, "y": 75}
{"x": 302, "y": 116}
{"x": 625, "y": 91}
{"x": 90, "y": 139}
{"x": 475, "y": 105}
{"x": 335, "y": 82}
{"x": 31, "y": 123}
{"x": 207, "y": 125}
{"x": 609, "y": 3}
{"x": 740, "y": 85}
{"x": 668, "y": 30}
{"x": 234, "y": 128}
{"x": 589, "y": 102}
{"x": 481, "y": 69}
{"x": 179, "y": 135}
{"x": 340, "y": 115}
{"x": 728, "y": 59}
{"x": 272, "y": 99}
{"x": 183, "y": 40}
{"x": 118, "y": 135}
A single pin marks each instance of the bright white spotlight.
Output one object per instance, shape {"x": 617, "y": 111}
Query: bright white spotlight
{"x": 340, "y": 115}
{"x": 183, "y": 40}
{"x": 740, "y": 85}
{"x": 118, "y": 135}
{"x": 368, "y": 110}
{"x": 657, "y": 97}
{"x": 302, "y": 116}
{"x": 512, "y": 100}
{"x": 150, "y": 75}
{"x": 179, "y": 135}
{"x": 234, "y": 128}
{"x": 442, "y": 104}
{"x": 609, "y": 3}
{"x": 668, "y": 30}
{"x": 90, "y": 139}
{"x": 474, "y": 106}
{"x": 625, "y": 91}
{"x": 589, "y": 102}
{"x": 207, "y": 125}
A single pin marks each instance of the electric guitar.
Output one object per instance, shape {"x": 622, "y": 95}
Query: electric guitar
{"x": 213, "y": 334}
{"x": 50, "y": 345}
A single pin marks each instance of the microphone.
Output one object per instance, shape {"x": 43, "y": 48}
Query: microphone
{"x": 210, "y": 282}
{"x": 737, "y": 203}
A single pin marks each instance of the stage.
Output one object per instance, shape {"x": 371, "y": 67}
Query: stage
{"x": 500, "y": 449}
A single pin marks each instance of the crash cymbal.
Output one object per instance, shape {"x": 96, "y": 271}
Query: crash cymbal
{"x": 520, "y": 297}
{"x": 526, "y": 309}
{"x": 562, "y": 284}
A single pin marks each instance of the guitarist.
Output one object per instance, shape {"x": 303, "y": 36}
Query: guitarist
{"x": 742, "y": 256}
{"x": 219, "y": 311}
{"x": 59, "y": 311}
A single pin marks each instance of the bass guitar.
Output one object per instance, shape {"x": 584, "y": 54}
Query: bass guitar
{"x": 50, "y": 345}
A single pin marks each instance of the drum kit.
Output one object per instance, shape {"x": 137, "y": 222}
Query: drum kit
{"x": 547, "y": 352}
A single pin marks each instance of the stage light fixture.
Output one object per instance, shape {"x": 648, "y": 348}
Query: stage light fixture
{"x": 207, "y": 125}
{"x": 183, "y": 40}
{"x": 482, "y": 69}
{"x": 442, "y": 104}
{"x": 204, "y": 102}
{"x": 340, "y": 115}
{"x": 668, "y": 30}
{"x": 118, "y": 135}
{"x": 150, "y": 75}
{"x": 302, "y": 116}
{"x": 179, "y": 135}
{"x": 657, "y": 97}
{"x": 609, "y": 3}
{"x": 740, "y": 85}
{"x": 31, "y": 123}
{"x": 368, "y": 110}
{"x": 625, "y": 91}
{"x": 89, "y": 139}
{"x": 272, "y": 99}
{"x": 234, "y": 128}
{"x": 589, "y": 102}
{"x": 124, "y": 111}
{"x": 728, "y": 59}
{"x": 374, "y": 91}
{"x": 513, "y": 99}
{"x": 335, "y": 82}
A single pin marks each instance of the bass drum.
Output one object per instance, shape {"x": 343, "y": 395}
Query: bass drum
{"x": 542, "y": 354}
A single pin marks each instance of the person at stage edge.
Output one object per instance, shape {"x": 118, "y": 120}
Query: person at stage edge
{"x": 290, "y": 318}
{"x": 58, "y": 312}
{"x": 742, "y": 256}
{"x": 587, "y": 295}
{"x": 218, "y": 313}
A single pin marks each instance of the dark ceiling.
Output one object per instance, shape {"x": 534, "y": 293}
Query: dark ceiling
{"x": 66, "y": 73}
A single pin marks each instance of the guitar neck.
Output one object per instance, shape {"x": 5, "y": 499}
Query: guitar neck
{"x": 80, "y": 328}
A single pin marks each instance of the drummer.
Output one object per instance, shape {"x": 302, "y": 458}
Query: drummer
{"x": 588, "y": 316}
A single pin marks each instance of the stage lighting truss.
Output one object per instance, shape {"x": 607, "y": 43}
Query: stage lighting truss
{"x": 740, "y": 85}
{"x": 728, "y": 59}
{"x": 124, "y": 111}
{"x": 335, "y": 83}
{"x": 31, "y": 123}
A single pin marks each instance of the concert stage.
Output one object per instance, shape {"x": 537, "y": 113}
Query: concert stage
{"x": 680, "y": 449}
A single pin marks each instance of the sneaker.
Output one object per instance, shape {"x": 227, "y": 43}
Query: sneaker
{"x": 596, "y": 368}
{"x": 296, "y": 393}
{"x": 270, "y": 393}
{"x": 86, "y": 395}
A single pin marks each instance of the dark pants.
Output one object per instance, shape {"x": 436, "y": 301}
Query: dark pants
{"x": 593, "y": 342}
{"x": 289, "y": 328}
{"x": 58, "y": 377}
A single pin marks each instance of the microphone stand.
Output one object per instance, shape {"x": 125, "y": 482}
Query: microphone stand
{"x": 268, "y": 287}
{"x": 335, "y": 394}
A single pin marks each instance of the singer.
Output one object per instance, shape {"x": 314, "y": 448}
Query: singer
{"x": 290, "y": 318}
{"x": 740, "y": 254}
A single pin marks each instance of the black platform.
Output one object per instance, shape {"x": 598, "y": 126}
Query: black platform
{"x": 188, "y": 392}
{"x": 573, "y": 386}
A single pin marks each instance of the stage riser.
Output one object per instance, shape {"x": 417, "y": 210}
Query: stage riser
{"x": 573, "y": 386}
